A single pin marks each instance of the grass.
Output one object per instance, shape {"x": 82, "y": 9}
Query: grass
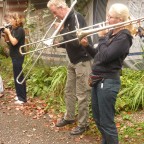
{"x": 131, "y": 127}
{"x": 132, "y": 134}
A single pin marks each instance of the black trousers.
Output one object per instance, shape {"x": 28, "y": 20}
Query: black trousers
{"x": 103, "y": 108}
{"x": 20, "y": 88}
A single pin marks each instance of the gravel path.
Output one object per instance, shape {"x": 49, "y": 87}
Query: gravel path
{"x": 19, "y": 125}
{"x": 29, "y": 124}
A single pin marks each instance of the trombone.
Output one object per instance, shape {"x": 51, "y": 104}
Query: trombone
{"x": 102, "y": 24}
{"x": 83, "y": 32}
{"x": 17, "y": 79}
{"x": 51, "y": 39}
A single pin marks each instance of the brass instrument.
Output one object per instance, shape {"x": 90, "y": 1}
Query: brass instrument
{"x": 84, "y": 32}
{"x": 81, "y": 34}
{"x": 50, "y": 43}
{"x": 102, "y": 24}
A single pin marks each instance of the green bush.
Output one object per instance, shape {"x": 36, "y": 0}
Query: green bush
{"x": 131, "y": 95}
{"x": 48, "y": 83}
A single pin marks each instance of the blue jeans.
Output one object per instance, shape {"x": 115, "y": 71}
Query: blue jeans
{"x": 103, "y": 108}
{"x": 20, "y": 88}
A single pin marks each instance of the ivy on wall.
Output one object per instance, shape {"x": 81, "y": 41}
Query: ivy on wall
{"x": 81, "y": 4}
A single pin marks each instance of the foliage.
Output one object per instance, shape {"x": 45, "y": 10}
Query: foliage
{"x": 6, "y": 70}
{"x": 131, "y": 96}
{"x": 48, "y": 83}
{"x": 4, "y": 51}
{"x": 81, "y": 4}
{"x": 129, "y": 134}
{"x": 56, "y": 89}
{"x": 37, "y": 82}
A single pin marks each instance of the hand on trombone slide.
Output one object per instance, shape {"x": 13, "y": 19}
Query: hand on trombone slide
{"x": 84, "y": 42}
{"x": 51, "y": 42}
{"x": 56, "y": 25}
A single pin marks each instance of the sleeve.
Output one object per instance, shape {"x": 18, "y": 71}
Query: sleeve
{"x": 72, "y": 27}
{"x": 92, "y": 51}
{"x": 119, "y": 47}
{"x": 19, "y": 33}
{"x": 62, "y": 45}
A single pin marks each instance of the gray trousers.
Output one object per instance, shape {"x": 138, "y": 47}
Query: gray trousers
{"x": 78, "y": 90}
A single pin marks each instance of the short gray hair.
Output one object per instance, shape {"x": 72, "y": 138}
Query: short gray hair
{"x": 57, "y": 3}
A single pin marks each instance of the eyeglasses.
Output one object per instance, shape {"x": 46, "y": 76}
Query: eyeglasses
{"x": 110, "y": 17}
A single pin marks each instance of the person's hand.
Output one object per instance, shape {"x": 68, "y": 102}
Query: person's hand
{"x": 56, "y": 25}
{"x": 7, "y": 31}
{"x": 84, "y": 42}
{"x": 56, "y": 42}
{"x": 102, "y": 33}
{"x": 5, "y": 34}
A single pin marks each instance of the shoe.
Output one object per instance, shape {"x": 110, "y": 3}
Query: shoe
{"x": 16, "y": 98}
{"x": 64, "y": 122}
{"x": 79, "y": 130}
{"x": 19, "y": 102}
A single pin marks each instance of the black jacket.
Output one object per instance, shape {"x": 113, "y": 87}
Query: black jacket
{"x": 75, "y": 51}
{"x": 110, "y": 53}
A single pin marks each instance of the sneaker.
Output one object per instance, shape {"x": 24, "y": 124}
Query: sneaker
{"x": 16, "y": 98}
{"x": 79, "y": 130}
{"x": 64, "y": 122}
{"x": 19, "y": 102}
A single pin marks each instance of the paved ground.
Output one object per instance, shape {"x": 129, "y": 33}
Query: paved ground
{"x": 29, "y": 125}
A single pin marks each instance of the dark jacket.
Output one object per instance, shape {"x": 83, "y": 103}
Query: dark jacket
{"x": 110, "y": 54}
{"x": 75, "y": 51}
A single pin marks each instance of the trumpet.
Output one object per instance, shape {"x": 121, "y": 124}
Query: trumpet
{"x": 50, "y": 42}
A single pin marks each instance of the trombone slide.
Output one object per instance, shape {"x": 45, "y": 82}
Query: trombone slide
{"x": 51, "y": 39}
{"x": 83, "y": 33}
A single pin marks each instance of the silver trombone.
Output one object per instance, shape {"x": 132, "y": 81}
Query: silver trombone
{"x": 102, "y": 24}
{"x": 86, "y": 32}
{"x": 17, "y": 79}
{"x": 51, "y": 39}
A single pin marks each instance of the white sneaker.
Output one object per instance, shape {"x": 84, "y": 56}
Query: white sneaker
{"x": 19, "y": 102}
{"x": 16, "y": 98}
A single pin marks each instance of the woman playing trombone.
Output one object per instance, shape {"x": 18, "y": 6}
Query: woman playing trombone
{"x": 15, "y": 39}
{"x": 112, "y": 49}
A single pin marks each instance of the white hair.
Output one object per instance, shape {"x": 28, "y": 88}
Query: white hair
{"x": 120, "y": 11}
{"x": 57, "y": 3}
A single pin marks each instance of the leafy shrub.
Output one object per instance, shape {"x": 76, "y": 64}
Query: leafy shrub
{"x": 48, "y": 83}
{"x": 131, "y": 96}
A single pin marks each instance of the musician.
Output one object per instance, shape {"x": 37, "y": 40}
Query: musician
{"x": 16, "y": 38}
{"x": 77, "y": 71}
{"x": 108, "y": 57}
